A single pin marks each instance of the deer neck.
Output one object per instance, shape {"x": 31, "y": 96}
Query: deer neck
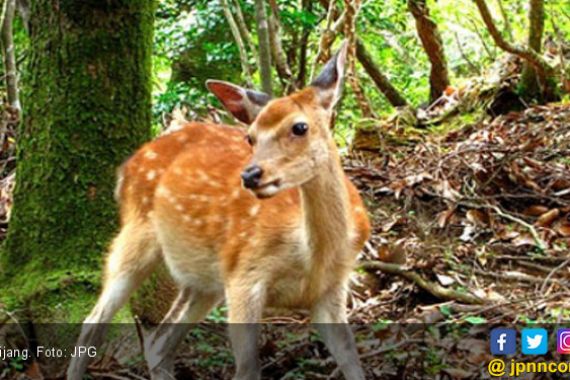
{"x": 325, "y": 206}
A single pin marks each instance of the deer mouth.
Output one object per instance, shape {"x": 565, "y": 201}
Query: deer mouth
{"x": 267, "y": 189}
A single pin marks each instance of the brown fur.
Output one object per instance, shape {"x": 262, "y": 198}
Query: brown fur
{"x": 222, "y": 205}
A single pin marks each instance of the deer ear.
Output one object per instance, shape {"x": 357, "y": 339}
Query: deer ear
{"x": 329, "y": 82}
{"x": 242, "y": 103}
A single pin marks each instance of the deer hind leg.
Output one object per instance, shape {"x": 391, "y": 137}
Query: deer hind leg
{"x": 329, "y": 317}
{"x": 189, "y": 307}
{"x": 133, "y": 256}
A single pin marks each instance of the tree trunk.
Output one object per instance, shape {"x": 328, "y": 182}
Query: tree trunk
{"x": 352, "y": 8}
{"x": 544, "y": 71}
{"x": 433, "y": 46}
{"x": 243, "y": 28}
{"x": 381, "y": 80}
{"x": 239, "y": 42}
{"x": 307, "y": 5}
{"x": 9, "y": 53}
{"x": 529, "y": 86}
{"x": 327, "y": 39}
{"x": 277, "y": 52}
{"x": 264, "y": 47}
{"x": 87, "y": 107}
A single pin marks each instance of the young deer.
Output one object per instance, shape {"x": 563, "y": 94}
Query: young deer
{"x": 271, "y": 223}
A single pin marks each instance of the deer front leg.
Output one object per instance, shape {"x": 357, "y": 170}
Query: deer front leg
{"x": 329, "y": 317}
{"x": 245, "y": 300}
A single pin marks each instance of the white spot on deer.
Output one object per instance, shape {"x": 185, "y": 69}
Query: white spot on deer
{"x": 254, "y": 210}
{"x": 150, "y": 154}
{"x": 151, "y": 175}
{"x": 236, "y": 194}
{"x": 182, "y": 138}
{"x": 198, "y": 222}
{"x": 145, "y": 200}
{"x": 179, "y": 207}
{"x": 186, "y": 218}
{"x": 358, "y": 210}
{"x": 202, "y": 175}
{"x": 162, "y": 191}
{"x": 243, "y": 234}
{"x": 177, "y": 170}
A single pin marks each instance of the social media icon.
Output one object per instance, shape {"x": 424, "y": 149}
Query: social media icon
{"x": 534, "y": 341}
{"x": 563, "y": 341}
{"x": 503, "y": 341}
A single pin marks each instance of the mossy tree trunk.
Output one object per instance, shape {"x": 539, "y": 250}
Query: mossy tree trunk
{"x": 529, "y": 82}
{"x": 87, "y": 106}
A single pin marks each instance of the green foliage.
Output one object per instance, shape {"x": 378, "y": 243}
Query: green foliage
{"x": 195, "y": 35}
{"x": 192, "y": 44}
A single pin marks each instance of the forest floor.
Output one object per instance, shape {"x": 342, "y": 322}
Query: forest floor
{"x": 479, "y": 215}
{"x": 471, "y": 228}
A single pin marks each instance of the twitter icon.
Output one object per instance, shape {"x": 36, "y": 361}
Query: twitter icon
{"x": 534, "y": 341}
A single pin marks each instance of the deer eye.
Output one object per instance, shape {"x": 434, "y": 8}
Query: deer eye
{"x": 249, "y": 140}
{"x": 300, "y": 129}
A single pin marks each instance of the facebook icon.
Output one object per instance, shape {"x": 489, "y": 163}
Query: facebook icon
{"x": 503, "y": 341}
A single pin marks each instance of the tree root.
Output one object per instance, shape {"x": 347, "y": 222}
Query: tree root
{"x": 431, "y": 287}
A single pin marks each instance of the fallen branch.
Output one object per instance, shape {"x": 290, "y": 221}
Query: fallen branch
{"x": 431, "y": 287}
{"x": 547, "y": 279}
{"x": 539, "y": 242}
{"x": 519, "y": 277}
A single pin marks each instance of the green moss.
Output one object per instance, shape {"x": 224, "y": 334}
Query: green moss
{"x": 87, "y": 103}
{"x": 458, "y": 122}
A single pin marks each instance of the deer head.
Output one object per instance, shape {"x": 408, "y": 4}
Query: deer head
{"x": 290, "y": 136}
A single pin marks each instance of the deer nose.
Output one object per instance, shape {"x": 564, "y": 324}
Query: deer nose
{"x": 251, "y": 176}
